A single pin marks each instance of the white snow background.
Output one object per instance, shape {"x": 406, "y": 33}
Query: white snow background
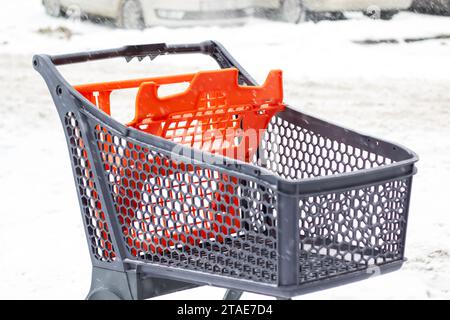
{"x": 399, "y": 92}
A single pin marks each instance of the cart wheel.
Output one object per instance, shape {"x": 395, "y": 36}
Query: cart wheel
{"x": 103, "y": 295}
{"x": 52, "y": 7}
{"x": 233, "y": 294}
{"x": 293, "y": 11}
{"x": 131, "y": 15}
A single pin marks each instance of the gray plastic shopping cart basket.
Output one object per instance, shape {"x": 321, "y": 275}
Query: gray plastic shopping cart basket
{"x": 318, "y": 206}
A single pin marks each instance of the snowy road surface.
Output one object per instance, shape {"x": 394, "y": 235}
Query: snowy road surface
{"x": 400, "y": 92}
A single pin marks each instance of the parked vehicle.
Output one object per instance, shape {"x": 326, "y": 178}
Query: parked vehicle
{"x": 432, "y": 6}
{"x": 296, "y": 11}
{"x": 137, "y": 14}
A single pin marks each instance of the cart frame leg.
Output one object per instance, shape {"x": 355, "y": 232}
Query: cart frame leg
{"x": 130, "y": 285}
{"x": 233, "y": 294}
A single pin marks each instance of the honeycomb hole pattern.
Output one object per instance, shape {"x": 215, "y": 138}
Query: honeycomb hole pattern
{"x": 295, "y": 153}
{"x": 198, "y": 217}
{"x": 91, "y": 207}
{"x": 187, "y": 215}
{"x": 339, "y": 232}
{"x": 352, "y": 230}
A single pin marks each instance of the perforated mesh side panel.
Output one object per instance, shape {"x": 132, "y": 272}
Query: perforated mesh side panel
{"x": 344, "y": 231}
{"x": 352, "y": 230}
{"x": 188, "y": 216}
{"x": 295, "y": 153}
{"x": 94, "y": 217}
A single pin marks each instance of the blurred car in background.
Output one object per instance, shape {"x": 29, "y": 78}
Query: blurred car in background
{"x": 432, "y": 6}
{"x": 295, "y": 11}
{"x": 137, "y": 14}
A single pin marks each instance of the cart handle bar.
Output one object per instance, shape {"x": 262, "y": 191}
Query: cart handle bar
{"x": 211, "y": 48}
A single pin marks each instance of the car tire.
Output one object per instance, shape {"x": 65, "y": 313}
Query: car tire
{"x": 293, "y": 11}
{"x": 131, "y": 15}
{"x": 52, "y": 7}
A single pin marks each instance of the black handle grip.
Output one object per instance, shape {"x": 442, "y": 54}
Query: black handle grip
{"x": 128, "y": 52}
{"x": 211, "y": 48}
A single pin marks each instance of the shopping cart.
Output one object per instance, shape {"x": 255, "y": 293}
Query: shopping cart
{"x": 225, "y": 185}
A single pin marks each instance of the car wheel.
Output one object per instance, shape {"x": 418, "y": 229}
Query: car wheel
{"x": 52, "y": 7}
{"x": 131, "y": 15}
{"x": 293, "y": 11}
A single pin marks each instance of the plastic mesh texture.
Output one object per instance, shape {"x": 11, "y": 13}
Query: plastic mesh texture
{"x": 295, "y": 153}
{"x": 345, "y": 231}
{"x": 352, "y": 230}
{"x": 94, "y": 218}
{"x": 174, "y": 213}
{"x": 189, "y": 216}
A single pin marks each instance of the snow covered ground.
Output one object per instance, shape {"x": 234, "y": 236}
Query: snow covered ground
{"x": 400, "y": 92}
